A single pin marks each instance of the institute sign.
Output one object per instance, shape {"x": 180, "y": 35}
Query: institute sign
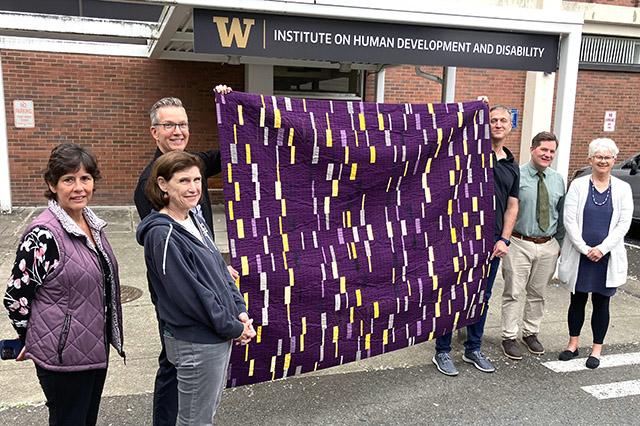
{"x": 291, "y": 37}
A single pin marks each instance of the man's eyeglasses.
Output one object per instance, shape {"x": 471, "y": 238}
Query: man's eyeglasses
{"x": 169, "y": 127}
{"x": 603, "y": 158}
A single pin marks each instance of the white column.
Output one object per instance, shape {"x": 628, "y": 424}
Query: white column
{"x": 5, "y": 179}
{"x": 566, "y": 98}
{"x": 538, "y": 104}
{"x": 448, "y": 84}
{"x": 538, "y": 98}
{"x": 258, "y": 79}
{"x": 380, "y": 86}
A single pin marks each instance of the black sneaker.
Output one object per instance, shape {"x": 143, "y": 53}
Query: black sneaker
{"x": 533, "y": 344}
{"x": 511, "y": 349}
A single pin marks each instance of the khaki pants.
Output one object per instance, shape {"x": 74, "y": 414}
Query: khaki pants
{"x": 527, "y": 270}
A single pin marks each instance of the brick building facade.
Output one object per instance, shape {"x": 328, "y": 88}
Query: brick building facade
{"x": 102, "y": 102}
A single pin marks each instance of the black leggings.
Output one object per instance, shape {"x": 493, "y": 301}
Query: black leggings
{"x": 599, "y": 317}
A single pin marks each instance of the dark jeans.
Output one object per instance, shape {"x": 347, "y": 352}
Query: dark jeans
{"x": 73, "y": 398}
{"x": 165, "y": 391}
{"x": 599, "y": 315}
{"x": 474, "y": 331}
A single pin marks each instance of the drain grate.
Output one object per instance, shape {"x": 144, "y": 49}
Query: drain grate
{"x": 128, "y": 293}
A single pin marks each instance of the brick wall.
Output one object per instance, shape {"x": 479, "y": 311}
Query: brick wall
{"x": 102, "y": 102}
{"x": 597, "y": 92}
{"x": 503, "y": 87}
{"x": 600, "y": 91}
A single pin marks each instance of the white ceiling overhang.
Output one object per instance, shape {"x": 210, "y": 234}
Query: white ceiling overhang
{"x": 171, "y": 37}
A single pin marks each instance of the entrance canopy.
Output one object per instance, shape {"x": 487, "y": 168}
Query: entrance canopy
{"x": 506, "y": 36}
{"x": 317, "y": 33}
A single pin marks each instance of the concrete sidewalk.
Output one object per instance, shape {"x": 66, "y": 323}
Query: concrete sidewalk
{"x": 141, "y": 335}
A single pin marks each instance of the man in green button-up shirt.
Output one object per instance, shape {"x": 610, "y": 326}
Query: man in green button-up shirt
{"x": 535, "y": 246}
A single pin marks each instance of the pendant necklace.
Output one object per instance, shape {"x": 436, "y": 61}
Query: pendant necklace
{"x": 593, "y": 195}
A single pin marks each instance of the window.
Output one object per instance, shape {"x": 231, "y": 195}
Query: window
{"x": 609, "y": 52}
{"x": 318, "y": 82}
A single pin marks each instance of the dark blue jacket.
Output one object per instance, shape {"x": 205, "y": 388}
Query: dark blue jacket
{"x": 211, "y": 161}
{"x": 197, "y": 298}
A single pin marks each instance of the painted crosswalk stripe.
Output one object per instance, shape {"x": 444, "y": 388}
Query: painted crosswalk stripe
{"x": 614, "y": 390}
{"x": 606, "y": 361}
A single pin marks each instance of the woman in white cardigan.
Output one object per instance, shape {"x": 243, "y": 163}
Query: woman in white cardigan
{"x": 597, "y": 214}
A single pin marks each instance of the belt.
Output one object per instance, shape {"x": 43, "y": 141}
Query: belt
{"x": 536, "y": 240}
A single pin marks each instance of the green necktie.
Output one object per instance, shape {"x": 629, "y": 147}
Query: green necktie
{"x": 542, "y": 206}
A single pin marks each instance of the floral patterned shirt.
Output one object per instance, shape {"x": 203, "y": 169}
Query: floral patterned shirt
{"x": 36, "y": 257}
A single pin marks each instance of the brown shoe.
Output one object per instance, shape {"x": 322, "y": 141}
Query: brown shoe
{"x": 533, "y": 344}
{"x": 511, "y": 349}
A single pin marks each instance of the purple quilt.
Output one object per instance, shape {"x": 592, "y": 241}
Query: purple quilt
{"x": 358, "y": 228}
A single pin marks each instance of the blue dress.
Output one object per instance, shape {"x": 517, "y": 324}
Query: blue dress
{"x": 592, "y": 276}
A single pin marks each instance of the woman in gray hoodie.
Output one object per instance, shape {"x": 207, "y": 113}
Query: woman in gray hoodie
{"x": 200, "y": 308}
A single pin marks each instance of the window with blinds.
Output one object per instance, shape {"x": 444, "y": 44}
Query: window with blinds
{"x": 603, "y": 51}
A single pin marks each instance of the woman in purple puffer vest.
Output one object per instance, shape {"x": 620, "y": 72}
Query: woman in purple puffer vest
{"x": 63, "y": 295}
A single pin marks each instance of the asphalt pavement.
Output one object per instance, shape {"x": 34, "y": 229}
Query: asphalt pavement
{"x": 398, "y": 388}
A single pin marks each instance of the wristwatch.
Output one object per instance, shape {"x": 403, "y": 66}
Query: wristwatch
{"x": 505, "y": 241}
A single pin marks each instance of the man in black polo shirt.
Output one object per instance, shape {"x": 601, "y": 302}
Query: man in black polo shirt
{"x": 506, "y": 176}
{"x": 170, "y": 130}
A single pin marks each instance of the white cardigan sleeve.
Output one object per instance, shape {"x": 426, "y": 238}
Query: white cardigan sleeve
{"x": 573, "y": 217}
{"x": 618, "y": 230}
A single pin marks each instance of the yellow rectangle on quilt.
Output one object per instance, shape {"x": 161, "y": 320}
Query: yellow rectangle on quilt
{"x": 244, "y": 266}
{"x": 290, "y": 141}
{"x": 277, "y": 120}
{"x": 240, "y": 118}
{"x": 354, "y": 170}
{"x": 240, "y": 226}
{"x": 287, "y": 295}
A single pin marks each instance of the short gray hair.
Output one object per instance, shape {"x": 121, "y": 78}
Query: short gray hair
{"x": 502, "y": 107}
{"x": 164, "y": 102}
{"x": 603, "y": 144}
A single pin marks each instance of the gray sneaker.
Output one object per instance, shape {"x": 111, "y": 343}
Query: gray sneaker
{"x": 479, "y": 360}
{"x": 511, "y": 349}
{"x": 445, "y": 364}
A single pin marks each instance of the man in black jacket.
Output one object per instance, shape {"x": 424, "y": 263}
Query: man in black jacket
{"x": 170, "y": 130}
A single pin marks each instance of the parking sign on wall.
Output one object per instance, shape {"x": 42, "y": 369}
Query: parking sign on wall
{"x": 23, "y": 113}
{"x": 609, "y": 121}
